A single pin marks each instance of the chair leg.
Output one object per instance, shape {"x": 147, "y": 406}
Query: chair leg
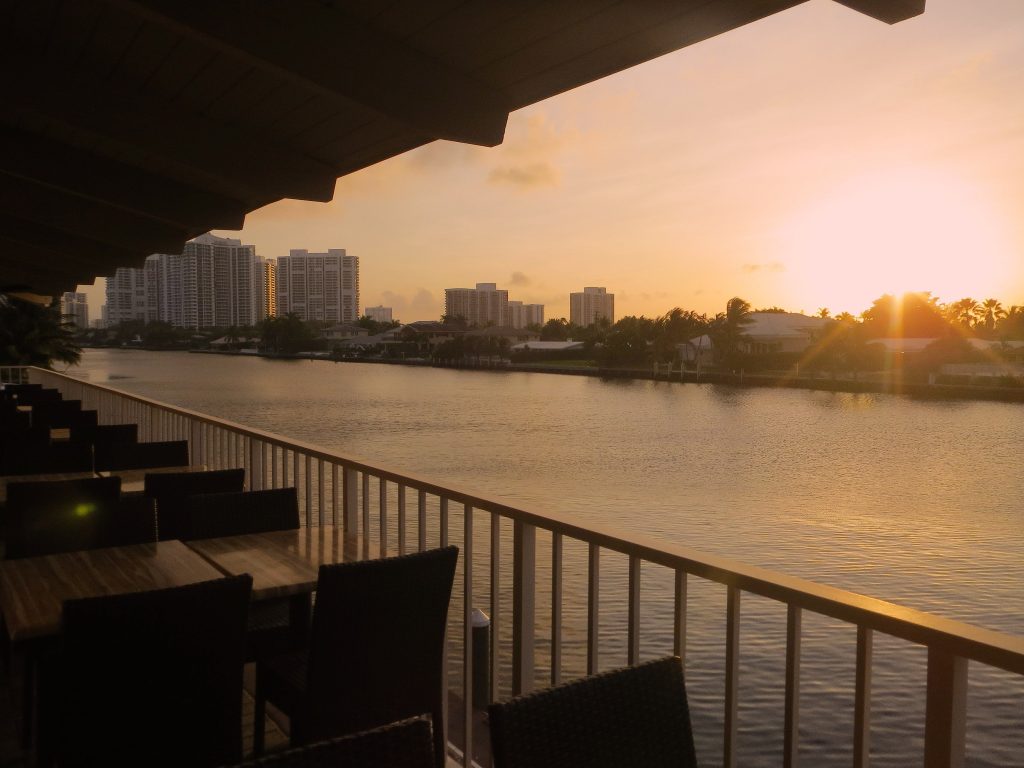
{"x": 259, "y": 724}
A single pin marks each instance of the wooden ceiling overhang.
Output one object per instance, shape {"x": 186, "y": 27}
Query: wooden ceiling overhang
{"x": 129, "y": 126}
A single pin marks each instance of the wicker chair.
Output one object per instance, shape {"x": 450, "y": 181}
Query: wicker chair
{"x": 104, "y": 434}
{"x": 13, "y": 420}
{"x": 232, "y": 514}
{"x": 115, "y": 456}
{"x": 29, "y": 394}
{"x": 274, "y": 627}
{"x": 27, "y": 459}
{"x": 172, "y": 489}
{"x": 152, "y": 678}
{"x": 133, "y": 521}
{"x": 17, "y": 437}
{"x": 375, "y": 654}
{"x": 60, "y": 516}
{"x": 407, "y": 744}
{"x": 56, "y": 414}
{"x": 631, "y": 717}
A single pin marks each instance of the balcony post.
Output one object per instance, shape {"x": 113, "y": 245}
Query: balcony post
{"x": 524, "y": 577}
{"x": 945, "y": 710}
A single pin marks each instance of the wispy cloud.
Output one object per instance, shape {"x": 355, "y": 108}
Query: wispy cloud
{"x": 525, "y": 176}
{"x": 772, "y": 266}
{"x": 519, "y": 279}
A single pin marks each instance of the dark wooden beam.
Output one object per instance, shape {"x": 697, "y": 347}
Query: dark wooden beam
{"x": 238, "y": 157}
{"x": 889, "y": 11}
{"x": 98, "y": 179}
{"x": 333, "y": 53}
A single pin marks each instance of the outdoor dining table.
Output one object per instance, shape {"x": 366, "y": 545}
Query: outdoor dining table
{"x": 134, "y": 480}
{"x": 283, "y": 563}
{"x": 46, "y": 477}
{"x": 33, "y": 589}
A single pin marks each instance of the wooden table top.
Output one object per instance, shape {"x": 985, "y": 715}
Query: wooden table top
{"x": 282, "y": 563}
{"x": 47, "y": 477}
{"x": 33, "y": 589}
{"x": 134, "y": 480}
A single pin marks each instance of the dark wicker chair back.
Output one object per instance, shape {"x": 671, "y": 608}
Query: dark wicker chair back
{"x": 133, "y": 522}
{"x": 15, "y": 420}
{"x": 401, "y": 745}
{"x": 29, "y": 394}
{"x": 153, "y": 678}
{"x": 56, "y": 414}
{"x": 104, "y": 434}
{"x": 39, "y": 459}
{"x": 630, "y": 717}
{"x": 377, "y": 645}
{"x": 61, "y": 516}
{"x": 24, "y": 436}
{"x": 114, "y": 456}
{"x": 171, "y": 489}
{"x": 233, "y": 514}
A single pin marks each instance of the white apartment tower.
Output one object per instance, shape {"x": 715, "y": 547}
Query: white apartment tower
{"x": 215, "y": 281}
{"x": 319, "y": 286}
{"x": 588, "y": 307}
{"x": 75, "y": 308}
{"x": 483, "y": 305}
{"x": 126, "y": 296}
{"x": 519, "y": 315}
{"x": 379, "y": 314}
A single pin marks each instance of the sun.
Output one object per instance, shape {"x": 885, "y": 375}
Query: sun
{"x": 892, "y": 232}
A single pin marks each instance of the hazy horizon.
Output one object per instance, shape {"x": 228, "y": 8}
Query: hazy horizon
{"x": 817, "y": 158}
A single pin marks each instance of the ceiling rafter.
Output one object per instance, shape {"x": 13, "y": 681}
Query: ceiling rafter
{"x": 889, "y": 11}
{"x": 343, "y": 57}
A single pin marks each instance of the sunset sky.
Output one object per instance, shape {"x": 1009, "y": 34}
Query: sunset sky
{"x": 817, "y": 158}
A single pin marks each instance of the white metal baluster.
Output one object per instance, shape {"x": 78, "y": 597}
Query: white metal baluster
{"x": 593, "y": 607}
{"x": 350, "y": 502}
{"x": 679, "y": 619}
{"x": 382, "y": 500}
{"x": 284, "y": 469}
{"x": 556, "y": 608}
{"x": 320, "y": 490}
{"x": 366, "y": 514}
{"x": 334, "y": 493}
{"x": 309, "y": 488}
{"x": 633, "y": 624}
{"x": 274, "y": 450}
{"x": 732, "y": 675}
{"x": 862, "y": 700}
{"x": 945, "y": 710}
{"x": 524, "y": 573}
{"x": 495, "y": 601}
{"x": 444, "y": 521}
{"x": 467, "y": 627}
{"x": 421, "y": 512}
{"x": 401, "y": 518}
{"x": 791, "y": 740}
{"x": 263, "y": 465}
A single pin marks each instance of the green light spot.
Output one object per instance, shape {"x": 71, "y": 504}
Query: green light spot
{"x": 85, "y": 509}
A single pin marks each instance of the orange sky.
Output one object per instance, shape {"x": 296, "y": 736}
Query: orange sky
{"x": 815, "y": 159}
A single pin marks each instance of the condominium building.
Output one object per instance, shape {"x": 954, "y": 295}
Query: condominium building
{"x": 519, "y": 315}
{"x": 214, "y": 281}
{"x": 269, "y": 288}
{"x": 379, "y": 314}
{"x": 75, "y": 308}
{"x": 319, "y": 286}
{"x": 126, "y": 296}
{"x": 483, "y": 305}
{"x": 588, "y": 307}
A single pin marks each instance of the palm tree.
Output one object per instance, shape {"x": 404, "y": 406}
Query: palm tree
{"x": 991, "y": 311}
{"x": 727, "y": 330}
{"x": 963, "y": 312}
{"x": 32, "y": 334}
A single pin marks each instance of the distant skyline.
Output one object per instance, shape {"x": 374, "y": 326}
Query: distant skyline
{"x": 814, "y": 159}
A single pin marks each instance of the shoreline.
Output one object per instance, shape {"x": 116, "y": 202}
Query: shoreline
{"x": 852, "y": 386}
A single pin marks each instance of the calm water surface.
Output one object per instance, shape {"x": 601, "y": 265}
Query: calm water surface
{"x": 917, "y": 502}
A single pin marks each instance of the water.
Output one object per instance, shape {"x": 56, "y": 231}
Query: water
{"x": 916, "y": 502}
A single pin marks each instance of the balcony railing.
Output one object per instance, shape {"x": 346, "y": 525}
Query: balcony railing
{"x": 373, "y": 501}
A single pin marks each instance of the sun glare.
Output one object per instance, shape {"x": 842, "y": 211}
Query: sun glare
{"x": 893, "y": 232}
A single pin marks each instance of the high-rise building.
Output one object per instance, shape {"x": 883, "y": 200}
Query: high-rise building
{"x": 587, "y": 307}
{"x": 483, "y": 305}
{"x": 75, "y": 308}
{"x": 319, "y": 286}
{"x": 126, "y": 296}
{"x": 269, "y": 288}
{"x": 214, "y": 281}
{"x": 378, "y": 314}
{"x": 519, "y": 315}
